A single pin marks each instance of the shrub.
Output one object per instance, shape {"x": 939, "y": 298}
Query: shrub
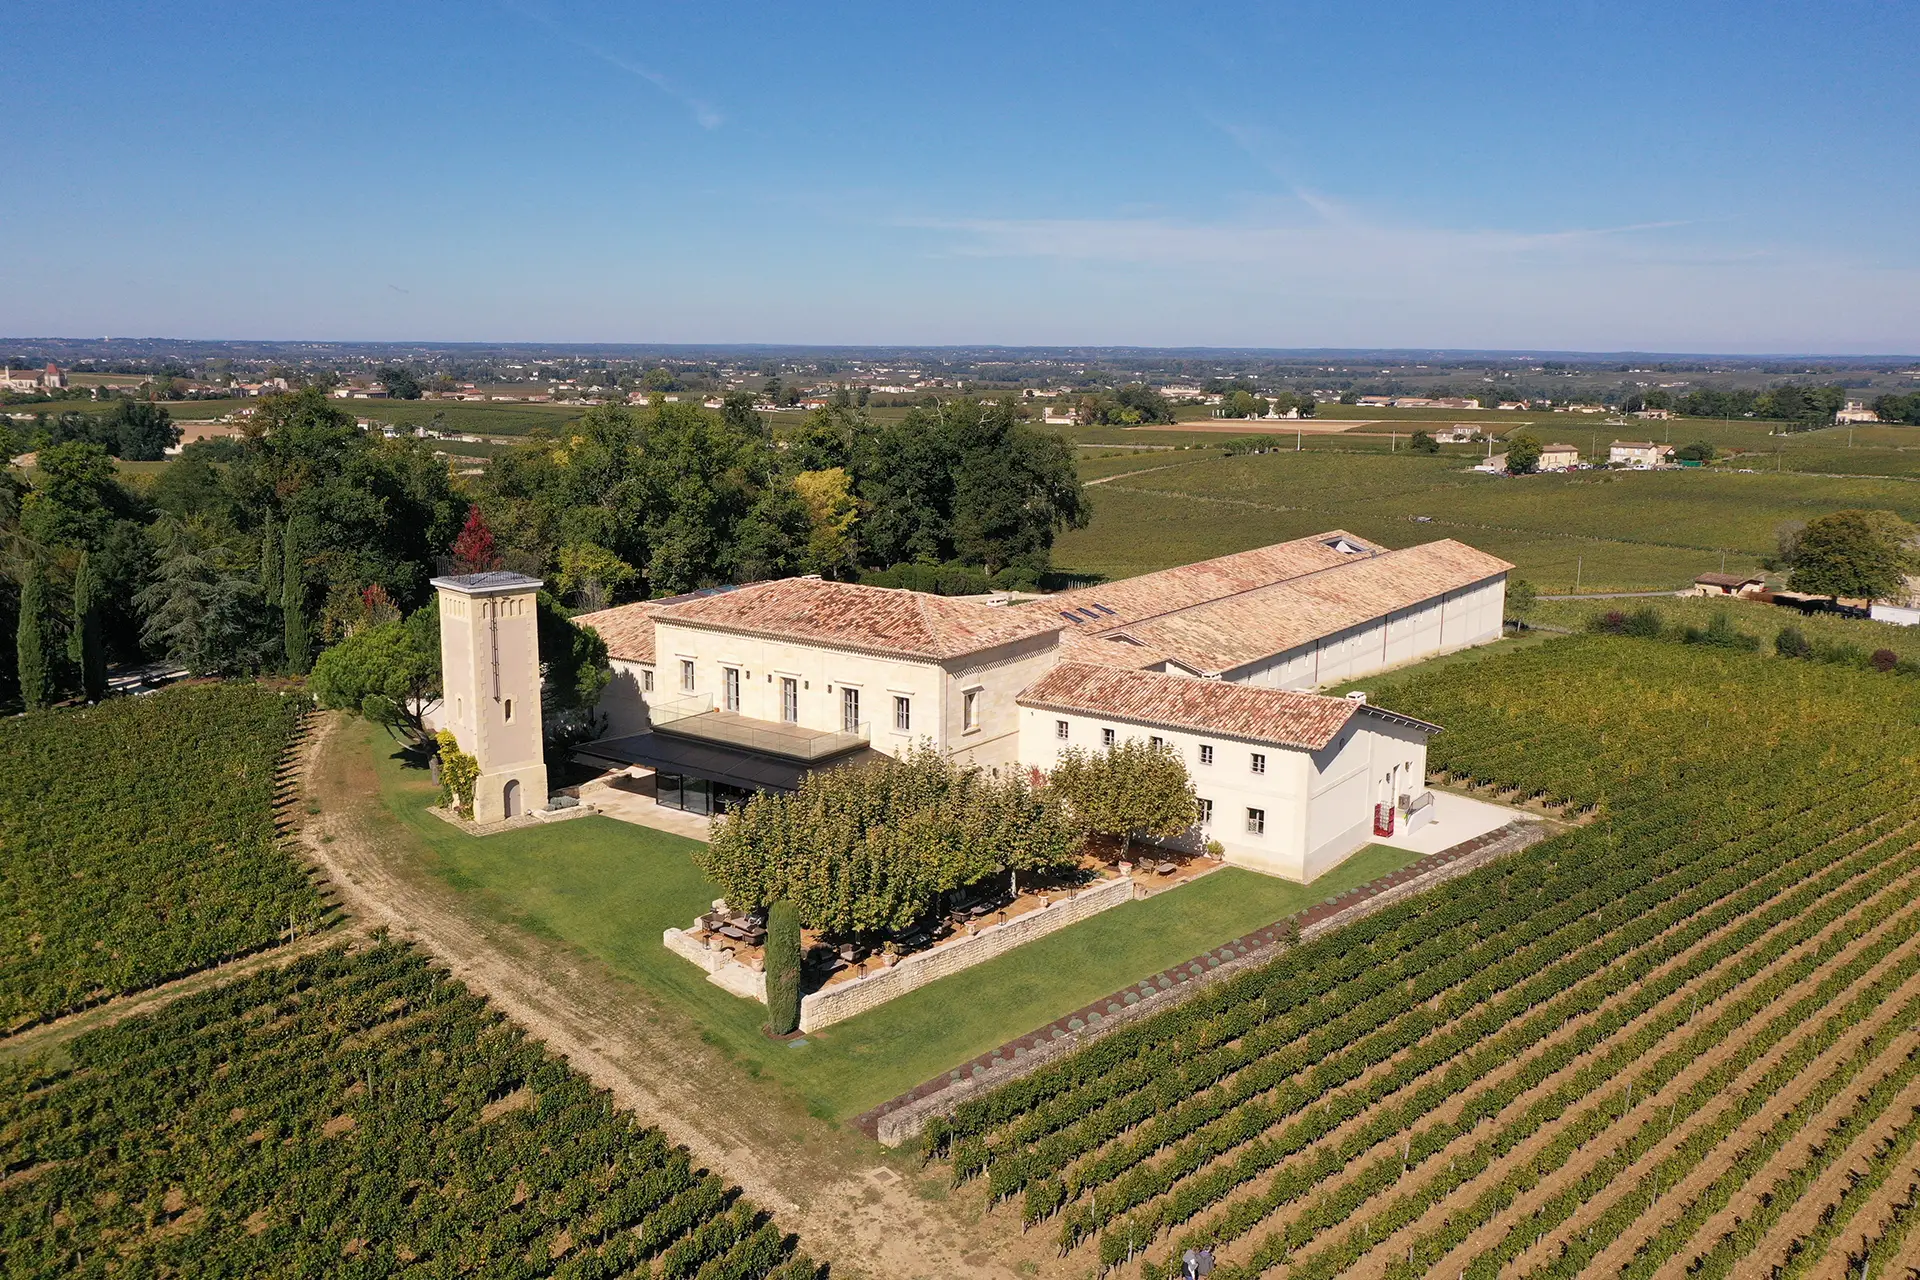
{"x": 783, "y": 968}
{"x": 1792, "y": 643}
{"x": 458, "y": 772}
{"x": 1884, "y": 660}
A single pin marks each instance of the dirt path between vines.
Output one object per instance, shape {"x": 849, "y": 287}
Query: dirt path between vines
{"x": 49, "y": 1036}
{"x": 1808, "y": 1211}
{"x": 850, "y": 1205}
{"x": 1448, "y": 1111}
{"x": 1492, "y": 1231}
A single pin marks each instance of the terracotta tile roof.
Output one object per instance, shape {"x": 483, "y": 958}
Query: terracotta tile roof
{"x": 1728, "y": 579}
{"x": 1115, "y": 604}
{"x": 1102, "y": 651}
{"x": 1231, "y": 632}
{"x": 627, "y": 629}
{"x": 1283, "y": 717}
{"x": 880, "y": 620}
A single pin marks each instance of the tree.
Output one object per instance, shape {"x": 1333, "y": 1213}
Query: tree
{"x": 1130, "y": 790}
{"x": 271, "y": 567}
{"x": 1847, "y": 555}
{"x": 1423, "y": 443}
{"x": 869, "y": 849}
{"x": 400, "y": 383}
{"x": 473, "y": 550}
{"x": 1523, "y": 455}
{"x": 593, "y": 575}
{"x": 783, "y": 968}
{"x": 1698, "y": 451}
{"x": 296, "y": 639}
{"x": 141, "y": 431}
{"x": 84, "y": 647}
{"x": 202, "y": 608}
{"x": 1520, "y": 596}
{"x": 388, "y": 672}
{"x": 831, "y": 514}
{"x": 35, "y": 666}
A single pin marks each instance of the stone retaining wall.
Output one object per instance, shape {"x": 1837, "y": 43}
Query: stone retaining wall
{"x": 901, "y": 1119}
{"x": 843, "y": 1000}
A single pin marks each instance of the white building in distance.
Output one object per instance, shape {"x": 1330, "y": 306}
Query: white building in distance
{"x": 732, "y": 690}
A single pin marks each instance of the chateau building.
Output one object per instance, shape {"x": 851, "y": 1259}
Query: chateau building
{"x": 728, "y": 691}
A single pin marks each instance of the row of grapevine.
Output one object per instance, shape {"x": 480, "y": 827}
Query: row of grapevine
{"x": 1453, "y": 1080}
{"x": 351, "y": 1114}
{"x": 137, "y": 844}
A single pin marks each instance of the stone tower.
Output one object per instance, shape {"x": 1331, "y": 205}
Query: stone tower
{"x": 490, "y": 679}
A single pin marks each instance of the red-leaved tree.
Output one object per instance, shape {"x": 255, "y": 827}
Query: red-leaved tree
{"x": 473, "y": 550}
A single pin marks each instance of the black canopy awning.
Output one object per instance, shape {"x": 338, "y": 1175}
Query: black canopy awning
{"x": 660, "y": 751}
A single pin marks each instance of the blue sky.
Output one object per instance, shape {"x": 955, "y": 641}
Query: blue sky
{"x": 1573, "y": 175}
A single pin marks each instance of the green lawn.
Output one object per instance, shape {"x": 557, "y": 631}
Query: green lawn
{"x": 610, "y": 888}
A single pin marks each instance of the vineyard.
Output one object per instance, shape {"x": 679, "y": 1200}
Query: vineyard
{"x": 352, "y": 1114}
{"x": 137, "y": 843}
{"x": 1684, "y": 1036}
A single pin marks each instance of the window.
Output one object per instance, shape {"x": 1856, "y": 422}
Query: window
{"x": 1107, "y": 737}
{"x": 730, "y": 687}
{"x": 850, "y": 709}
{"x": 646, "y": 679}
{"x": 1256, "y": 822}
{"x": 509, "y": 710}
{"x": 1156, "y": 742}
{"x": 970, "y": 711}
{"x": 1060, "y": 730}
{"x": 789, "y": 700}
{"x": 686, "y": 675}
{"x": 902, "y": 715}
{"x": 1206, "y": 813}
{"x": 1206, "y": 754}
{"x": 1259, "y": 762}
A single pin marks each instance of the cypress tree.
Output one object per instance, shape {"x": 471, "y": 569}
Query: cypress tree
{"x": 293, "y": 607}
{"x": 270, "y": 563}
{"x": 84, "y": 645}
{"x": 783, "y": 968}
{"x": 36, "y": 671}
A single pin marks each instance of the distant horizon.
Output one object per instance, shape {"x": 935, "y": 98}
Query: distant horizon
{"x": 1068, "y": 348}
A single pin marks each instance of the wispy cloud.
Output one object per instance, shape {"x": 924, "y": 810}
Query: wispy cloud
{"x": 1330, "y": 239}
{"x": 704, "y": 113}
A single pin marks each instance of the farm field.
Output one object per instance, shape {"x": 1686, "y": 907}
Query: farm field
{"x": 471, "y": 417}
{"x": 138, "y": 843}
{"x": 354, "y": 1113}
{"x": 1594, "y": 531}
{"x": 609, "y": 889}
{"x": 1762, "y": 621}
{"x": 179, "y": 410}
{"x": 1676, "y": 1039}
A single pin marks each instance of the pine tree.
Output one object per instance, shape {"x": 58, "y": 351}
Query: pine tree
{"x": 36, "y": 670}
{"x": 84, "y": 645}
{"x": 270, "y": 575}
{"x": 293, "y": 607}
{"x": 783, "y": 968}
